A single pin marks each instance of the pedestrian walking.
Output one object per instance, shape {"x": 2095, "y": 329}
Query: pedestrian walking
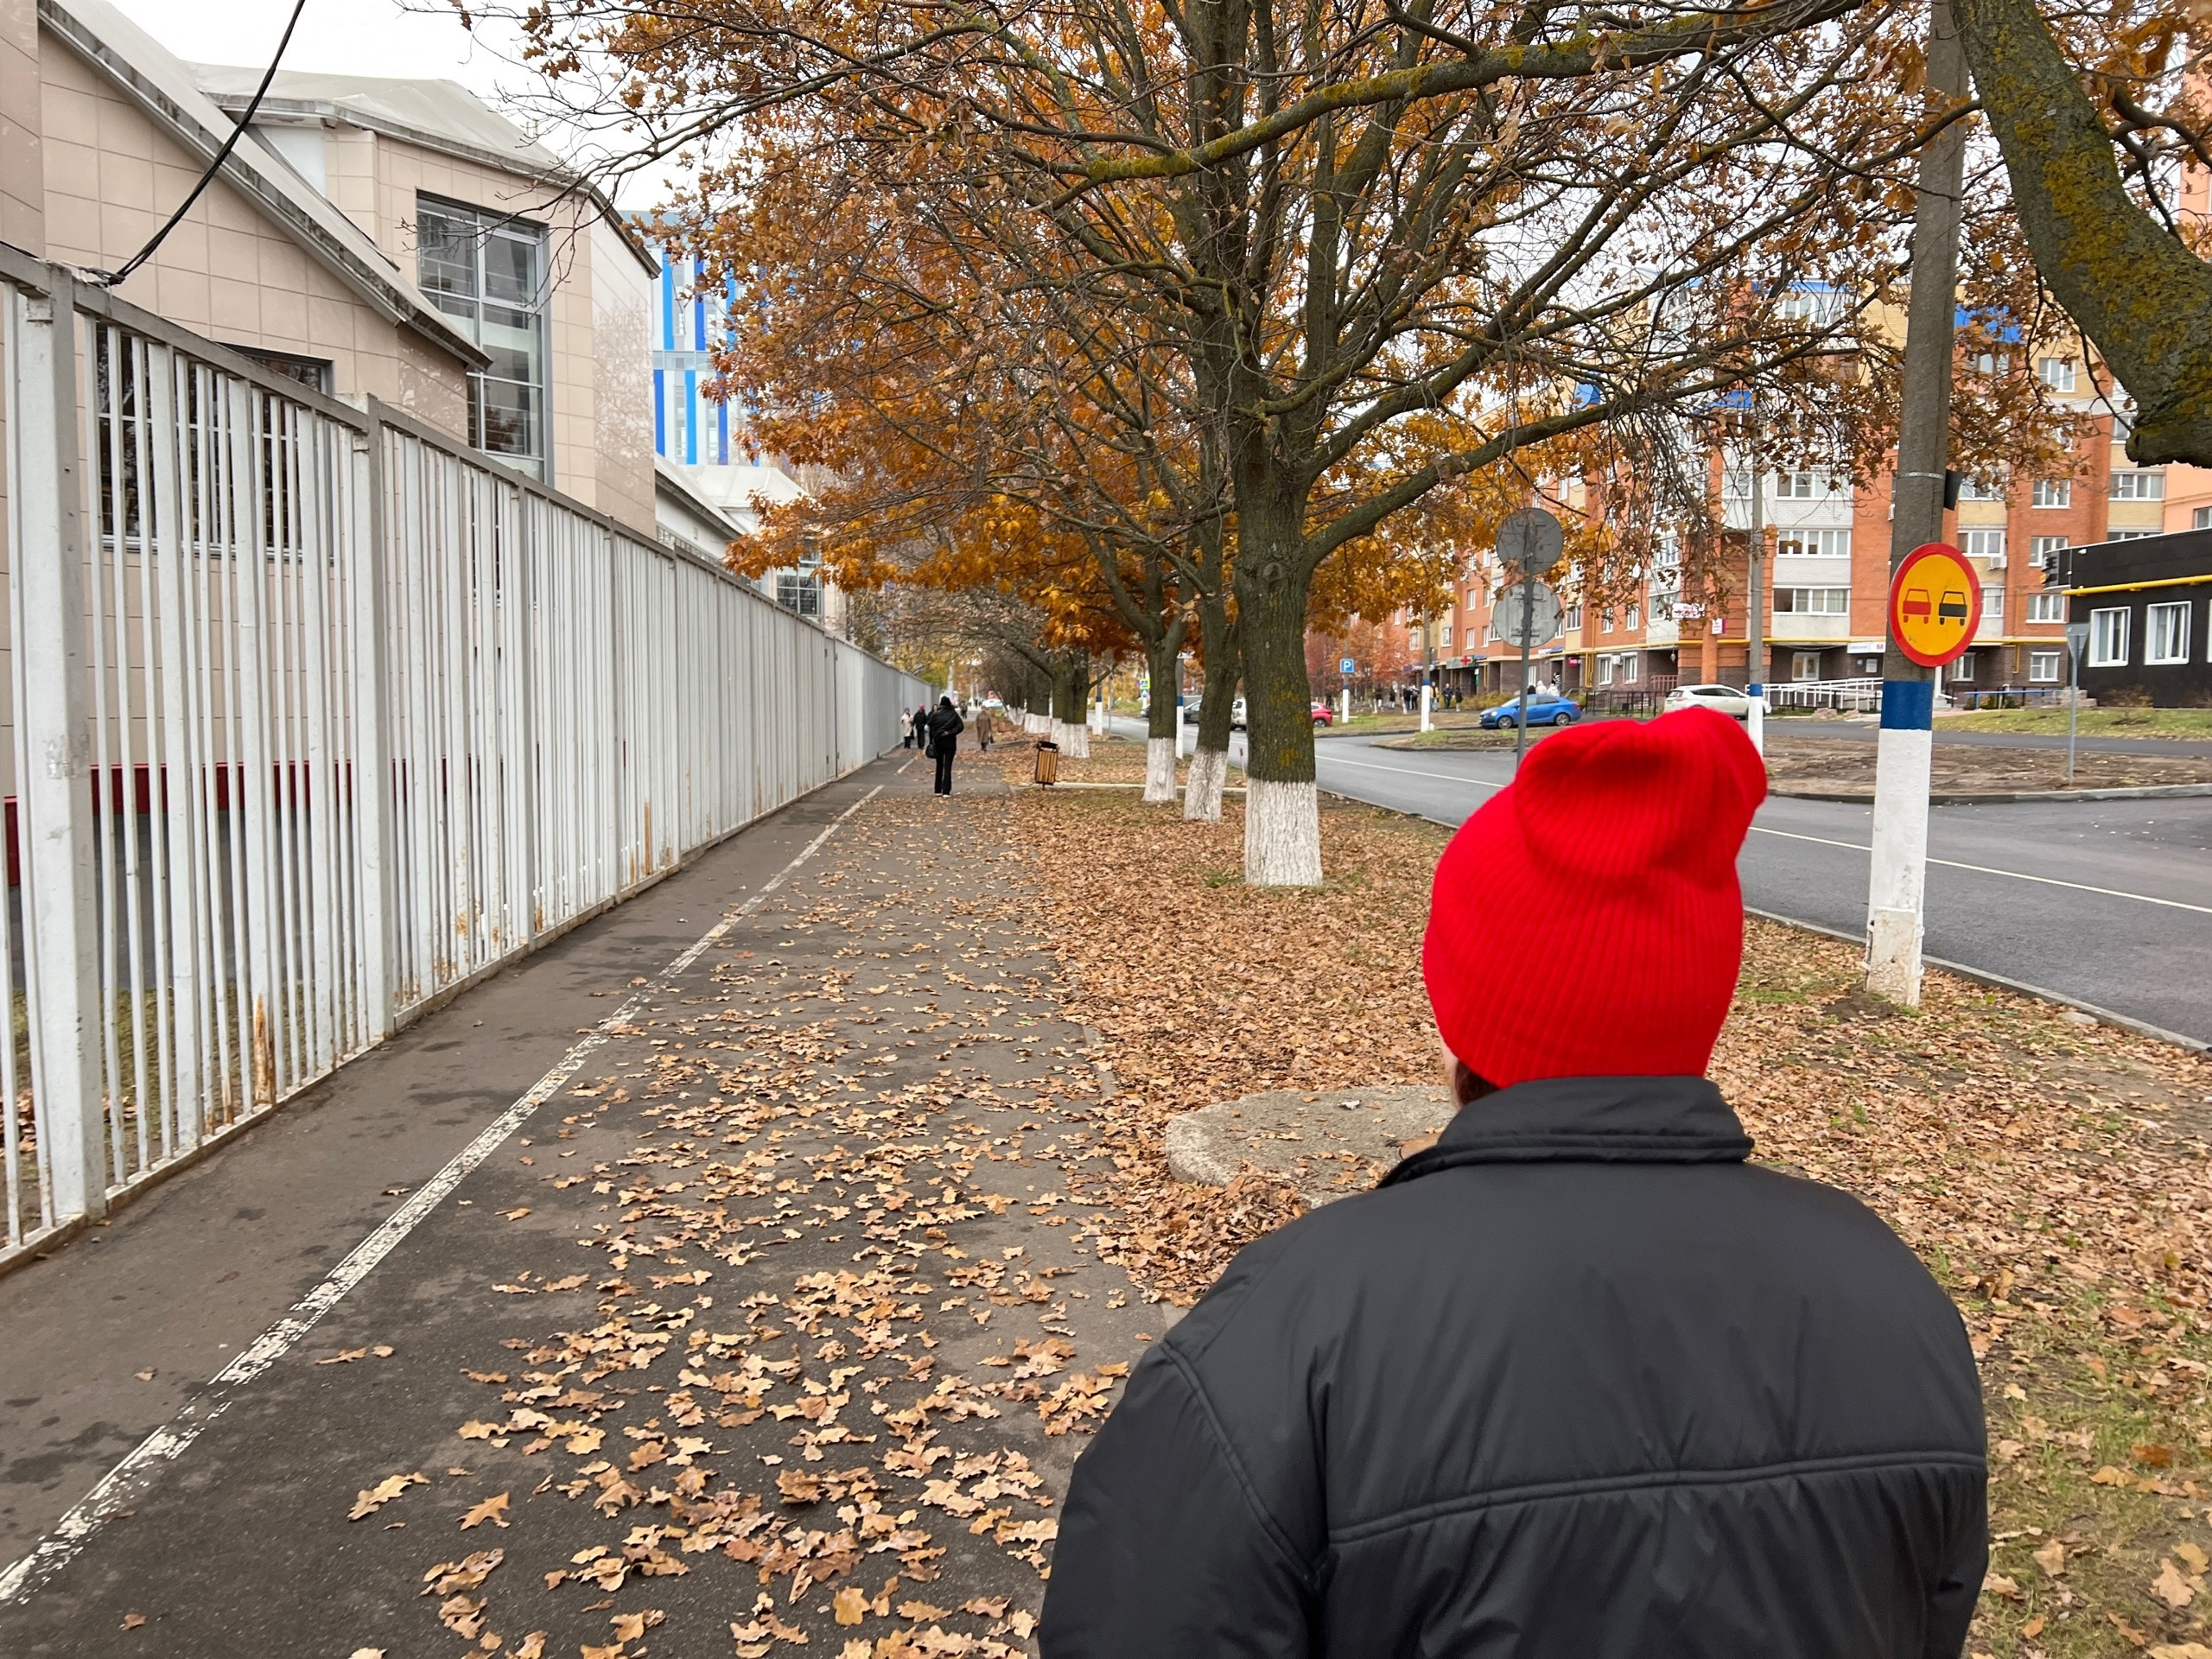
{"x": 946, "y": 727}
{"x": 921, "y": 726}
{"x": 1577, "y": 1380}
{"x": 984, "y": 727}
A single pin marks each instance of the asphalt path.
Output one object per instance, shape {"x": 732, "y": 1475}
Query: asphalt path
{"x": 2104, "y": 903}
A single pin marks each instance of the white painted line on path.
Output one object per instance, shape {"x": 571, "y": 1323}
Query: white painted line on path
{"x": 121, "y": 1486}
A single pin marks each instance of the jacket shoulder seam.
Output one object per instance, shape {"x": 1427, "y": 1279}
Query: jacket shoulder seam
{"x": 1750, "y": 1474}
{"x": 1269, "y": 1525}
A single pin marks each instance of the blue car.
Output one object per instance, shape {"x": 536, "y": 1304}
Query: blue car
{"x": 1545, "y": 709}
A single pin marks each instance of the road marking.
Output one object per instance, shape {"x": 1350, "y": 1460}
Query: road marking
{"x": 122, "y": 1485}
{"x": 1415, "y": 771}
{"x": 2017, "y": 876}
{"x": 1849, "y": 846}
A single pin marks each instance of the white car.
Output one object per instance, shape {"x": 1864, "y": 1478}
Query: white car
{"x": 1726, "y": 699}
{"x": 1237, "y": 716}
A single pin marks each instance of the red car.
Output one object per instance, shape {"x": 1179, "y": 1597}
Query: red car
{"x": 1322, "y": 715}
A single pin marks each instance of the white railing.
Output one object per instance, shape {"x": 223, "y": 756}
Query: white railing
{"x": 1862, "y": 696}
{"x": 313, "y": 716}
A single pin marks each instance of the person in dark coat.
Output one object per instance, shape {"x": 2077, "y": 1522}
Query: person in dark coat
{"x": 945, "y": 727}
{"x": 921, "y": 726}
{"x": 1578, "y": 1380}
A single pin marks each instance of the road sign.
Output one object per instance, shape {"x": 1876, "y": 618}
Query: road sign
{"x": 1345, "y": 666}
{"x": 1935, "y": 604}
{"x": 2077, "y": 638}
{"x": 1538, "y": 603}
{"x": 1530, "y": 542}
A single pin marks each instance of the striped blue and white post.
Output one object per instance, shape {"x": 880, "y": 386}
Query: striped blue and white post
{"x": 1896, "y": 891}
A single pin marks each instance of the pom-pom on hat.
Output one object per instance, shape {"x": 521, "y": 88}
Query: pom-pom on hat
{"x": 1587, "y": 921}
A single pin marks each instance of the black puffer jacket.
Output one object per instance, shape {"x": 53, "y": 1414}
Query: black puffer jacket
{"x": 1578, "y": 1382}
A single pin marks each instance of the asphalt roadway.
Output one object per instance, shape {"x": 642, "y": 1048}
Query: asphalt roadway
{"x": 2107, "y": 904}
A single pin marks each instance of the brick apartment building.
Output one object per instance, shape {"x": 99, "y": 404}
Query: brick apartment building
{"x": 1826, "y": 576}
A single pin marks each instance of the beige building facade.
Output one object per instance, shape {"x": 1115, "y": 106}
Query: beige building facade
{"x": 387, "y": 238}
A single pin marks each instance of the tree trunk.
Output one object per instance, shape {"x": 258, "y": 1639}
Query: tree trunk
{"x": 1210, "y": 764}
{"x": 1070, "y": 724}
{"x": 2135, "y": 289}
{"x": 1160, "y": 718}
{"x": 1282, "y": 815}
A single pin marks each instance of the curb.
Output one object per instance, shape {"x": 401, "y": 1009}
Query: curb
{"x": 1983, "y": 976}
{"x": 1978, "y": 975}
{"x": 2145, "y": 792}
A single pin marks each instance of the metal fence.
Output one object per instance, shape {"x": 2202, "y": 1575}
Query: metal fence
{"x": 313, "y": 714}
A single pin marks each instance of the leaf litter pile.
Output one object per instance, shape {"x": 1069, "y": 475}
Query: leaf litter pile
{"x": 821, "y": 1340}
{"x": 2053, "y": 1175}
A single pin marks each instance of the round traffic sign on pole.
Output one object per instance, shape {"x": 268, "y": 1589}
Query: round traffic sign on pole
{"x": 1935, "y": 604}
{"x": 1528, "y": 607}
{"x": 1531, "y": 541}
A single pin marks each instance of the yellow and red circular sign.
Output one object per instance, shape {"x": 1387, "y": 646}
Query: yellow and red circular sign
{"x": 1935, "y": 604}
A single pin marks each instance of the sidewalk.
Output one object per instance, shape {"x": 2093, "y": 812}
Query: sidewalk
{"x": 769, "y": 1326}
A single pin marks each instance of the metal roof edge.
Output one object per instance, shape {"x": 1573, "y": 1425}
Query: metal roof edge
{"x": 390, "y": 295}
{"x": 566, "y": 180}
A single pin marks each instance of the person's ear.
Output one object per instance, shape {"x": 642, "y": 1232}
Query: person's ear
{"x": 1468, "y": 1085}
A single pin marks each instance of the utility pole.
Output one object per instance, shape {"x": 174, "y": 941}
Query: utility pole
{"x": 1755, "y": 598}
{"x": 1898, "y": 886}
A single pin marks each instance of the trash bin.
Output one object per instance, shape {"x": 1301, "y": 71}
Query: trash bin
{"x": 1048, "y": 761}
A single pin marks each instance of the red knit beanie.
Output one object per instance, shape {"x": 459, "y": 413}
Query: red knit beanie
{"x": 1587, "y": 922}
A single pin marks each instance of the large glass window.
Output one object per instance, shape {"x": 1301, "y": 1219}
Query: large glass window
{"x": 487, "y": 271}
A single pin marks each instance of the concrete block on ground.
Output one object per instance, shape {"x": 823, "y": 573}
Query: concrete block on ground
{"x": 1327, "y": 1143}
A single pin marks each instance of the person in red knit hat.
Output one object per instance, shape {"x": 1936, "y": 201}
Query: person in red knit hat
{"x": 1579, "y": 1381}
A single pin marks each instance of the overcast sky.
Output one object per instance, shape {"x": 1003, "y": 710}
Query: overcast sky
{"x": 346, "y": 37}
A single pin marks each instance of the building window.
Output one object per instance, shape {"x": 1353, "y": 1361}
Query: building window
{"x": 2044, "y": 667}
{"x": 1605, "y": 622}
{"x": 2046, "y": 608}
{"x": 486, "y": 272}
{"x": 1635, "y": 618}
{"x": 1604, "y": 671}
{"x": 2200, "y": 519}
{"x": 1572, "y": 620}
{"x": 2165, "y": 633}
{"x": 1444, "y": 635}
{"x": 1662, "y": 606}
{"x": 2043, "y": 550}
{"x": 2123, "y": 424}
{"x": 1963, "y": 669}
{"x": 1983, "y": 545}
{"x": 2138, "y": 486}
{"x": 1795, "y": 486}
{"x": 2053, "y": 492}
{"x": 1993, "y": 363}
{"x": 313, "y": 373}
{"x": 1814, "y": 543}
{"x": 2128, "y": 535}
{"x": 1805, "y": 665}
{"x": 2108, "y": 638}
{"x": 1977, "y": 489}
{"x": 2057, "y": 372}
{"x": 1812, "y": 601}
{"x": 1992, "y": 607}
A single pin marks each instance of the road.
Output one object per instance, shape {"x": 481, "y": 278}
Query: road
{"x": 2106, "y": 903}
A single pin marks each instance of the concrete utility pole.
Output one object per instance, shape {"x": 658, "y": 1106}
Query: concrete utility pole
{"x": 1755, "y": 598}
{"x": 1895, "y": 921}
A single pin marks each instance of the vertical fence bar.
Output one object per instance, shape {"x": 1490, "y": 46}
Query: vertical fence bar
{"x": 47, "y": 555}
{"x": 371, "y": 783}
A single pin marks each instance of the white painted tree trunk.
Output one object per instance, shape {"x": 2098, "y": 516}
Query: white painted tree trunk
{"x": 1282, "y": 834}
{"x": 1202, "y": 790}
{"x": 1074, "y": 739}
{"x": 1159, "y": 768}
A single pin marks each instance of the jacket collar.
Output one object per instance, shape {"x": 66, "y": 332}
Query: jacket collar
{"x": 1588, "y": 1120}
